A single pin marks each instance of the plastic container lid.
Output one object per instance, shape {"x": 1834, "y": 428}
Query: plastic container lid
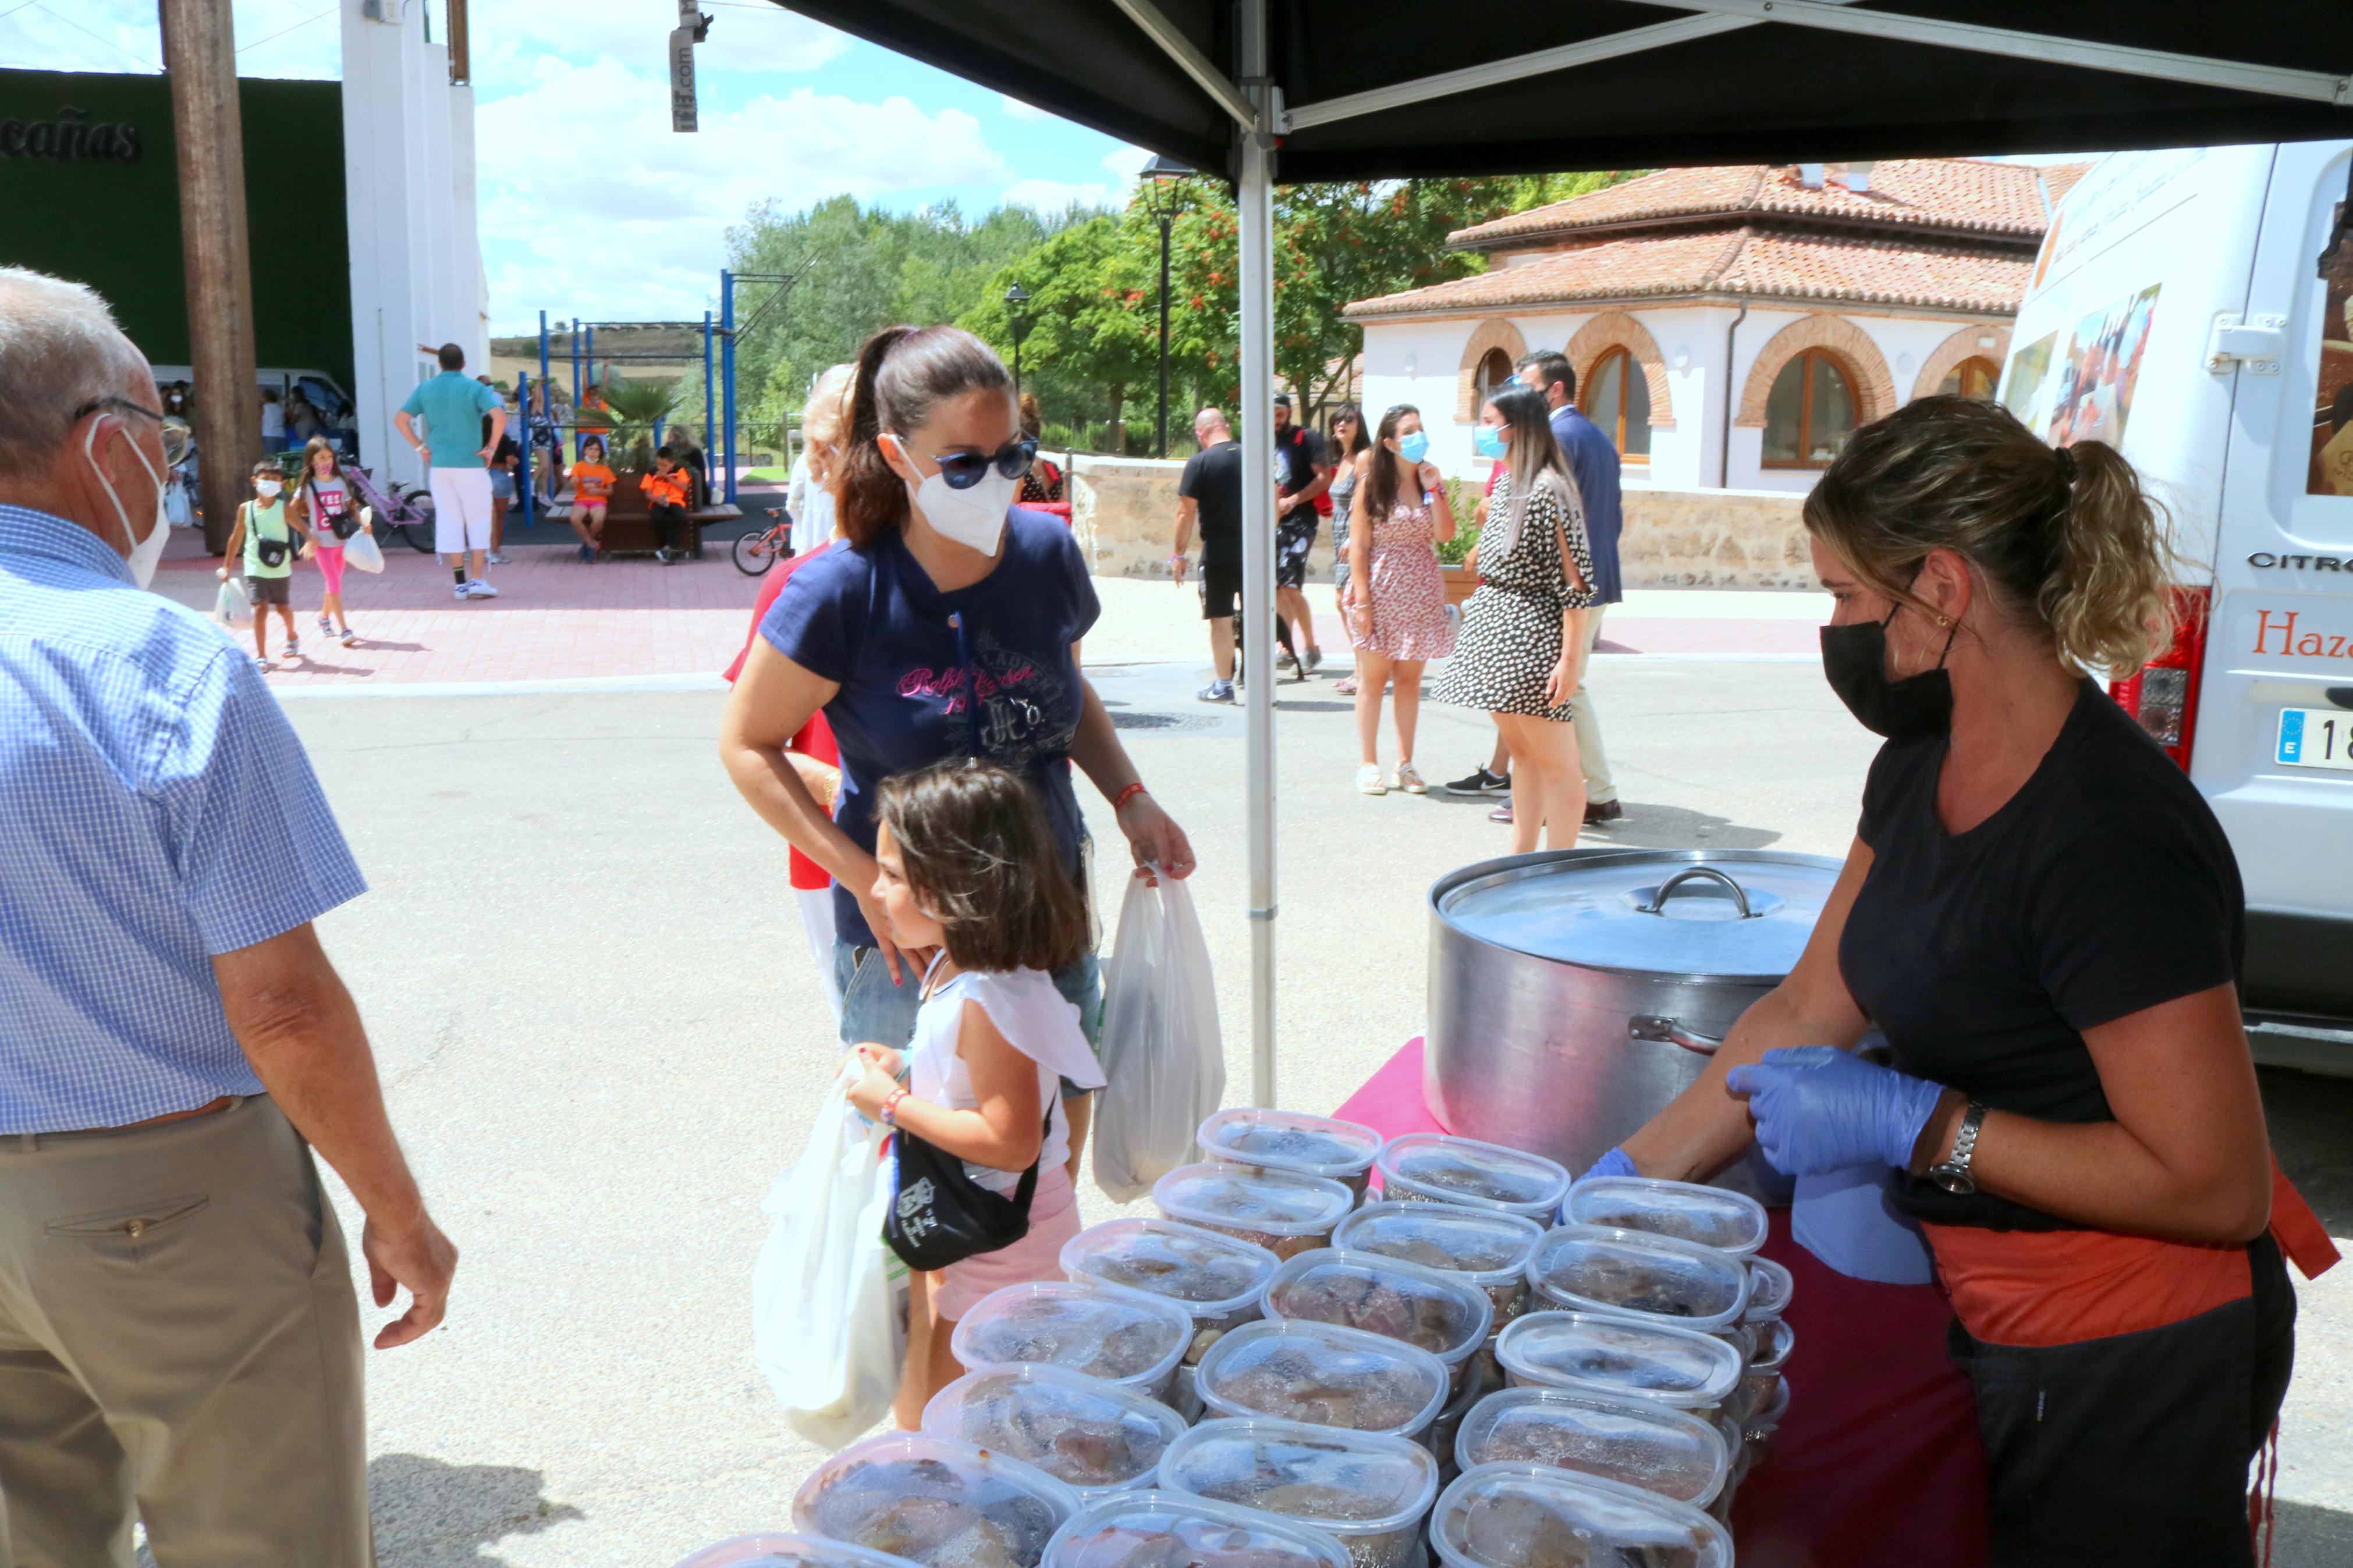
{"x": 1157, "y": 1529}
{"x": 1350, "y": 1483}
{"x": 1618, "y": 1358}
{"x": 1709, "y": 1216}
{"x": 1441, "y": 1313}
{"x": 1438, "y": 1168}
{"x": 1095, "y": 1436}
{"x": 1594, "y": 1268}
{"x": 1775, "y": 1340}
{"x": 1242, "y": 1197}
{"x": 887, "y": 1493}
{"x": 776, "y": 1548}
{"x": 1523, "y": 1515}
{"x": 1768, "y": 1415}
{"x": 1771, "y": 1288}
{"x": 1211, "y": 1274}
{"x": 1127, "y": 1337}
{"x": 1323, "y": 1374}
{"x": 1640, "y": 1443}
{"x": 1484, "y": 1247}
{"x": 1287, "y": 1141}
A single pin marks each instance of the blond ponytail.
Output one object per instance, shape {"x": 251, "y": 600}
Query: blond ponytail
{"x": 2108, "y": 604}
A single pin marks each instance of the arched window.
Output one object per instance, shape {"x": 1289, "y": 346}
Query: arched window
{"x": 1494, "y": 372}
{"x": 1810, "y": 413}
{"x": 1973, "y": 377}
{"x": 1617, "y": 398}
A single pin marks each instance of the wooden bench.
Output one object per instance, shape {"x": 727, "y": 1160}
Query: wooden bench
{"x": 629, "y": 522}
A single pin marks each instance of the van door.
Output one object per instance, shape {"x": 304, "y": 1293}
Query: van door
{"x": 2275, "y": 745}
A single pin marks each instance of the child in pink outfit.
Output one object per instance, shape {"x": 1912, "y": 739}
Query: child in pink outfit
{"x": 326, "y": 510}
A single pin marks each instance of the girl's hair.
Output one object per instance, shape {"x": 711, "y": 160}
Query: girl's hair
{"x": 981, "y": 860}
{"x": 1033, "y": 420}
{"x": 596, "y": 441}
{"x": 1357, "y": 442}
{"x": 903, "y": 374}
{"x": 1533, "y": 458}
{"x": 310, "y": 451}
{"x": 2067, "y": 540}
{"x": 823, "y": 415}
{"x": 1381, "y": 483}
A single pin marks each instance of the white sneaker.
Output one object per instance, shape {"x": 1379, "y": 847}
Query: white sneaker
{"x": 478, "y": 589}
{"x": 459, "y": 591}
{"x": 1368, "y": 780}
{"x": 293, "y": 647}
{"x": 498, "y": 560}
{"x": 1408, "y": 780}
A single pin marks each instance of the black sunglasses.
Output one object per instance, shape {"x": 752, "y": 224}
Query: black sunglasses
{"x": 964, "y": 469}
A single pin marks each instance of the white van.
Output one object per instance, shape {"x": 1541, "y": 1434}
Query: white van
{"x": 2196, "y": 309}
{"x": 324, "y": 391}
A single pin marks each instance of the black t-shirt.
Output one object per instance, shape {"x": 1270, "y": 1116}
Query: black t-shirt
{"x": 1213, "y": 480}
{"x": 1298, "y": 453}
{"x": 2102, "y": 887}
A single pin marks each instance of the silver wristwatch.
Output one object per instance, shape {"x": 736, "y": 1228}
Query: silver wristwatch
{"x": 1952, "y": 1172}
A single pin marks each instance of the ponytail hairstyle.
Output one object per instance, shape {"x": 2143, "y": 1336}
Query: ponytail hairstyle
{"x": 983, "y": 862}
{"x": 1534, "y": 459}
{"x": 1381, "y": 481}
{"x": 903, "y": 374}
{"x": 2067, "y": 540}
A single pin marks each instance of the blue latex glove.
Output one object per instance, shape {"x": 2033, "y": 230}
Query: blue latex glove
{"x": 1820, "y": 1109}
{"x": 1613, "y": 1163}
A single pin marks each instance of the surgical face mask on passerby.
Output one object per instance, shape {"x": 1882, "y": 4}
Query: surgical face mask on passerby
{"x": 972, "y": 515}
{"x": 267, "y": 489}
{"x": 1413, "y": 445}
{"x": 148, "y": 553}
{"x": 1487, "y": 440}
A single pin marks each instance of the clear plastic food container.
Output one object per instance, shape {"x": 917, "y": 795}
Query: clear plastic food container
{"x": 1775, "y": 1340}
{"x": 1688, "y": 1211}
{"x": 1631, "y": 1441}
{"x": 1516, "y": 1514}
{"x": 1286, "y": 1141}
{"x": 1593, "y": 1268}
{"x": 934, "y": 1502}
{"x": 1093, "y": 1435}
{"x": 1282, "y": 1211}
{"x": 1169, "y": 1530}
{"x": 1429, "y": 1311}
{"x": 1369, "y": 1491}
{"x": 1766, "y": 1419}
{"x": 1482, "y": 1247}
{"x": 1128, "y": 1337}
{"x": 779, "y": 1549}
{"x": 1770, "y": 1290}
{"x": 1615, "y": 1358}
{"x": 1326, "y": 1376}
{"x": 1434, "y": 1168}
{"x": 1215, "y": 1277}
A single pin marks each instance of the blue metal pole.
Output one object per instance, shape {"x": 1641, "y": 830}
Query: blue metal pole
{"x": 575, "y": 393}
{"x": 531, "y": 454}
{"x": 522, "y": 410}
{"x": 709, "y": 403}
{"x": 727, "y": 372}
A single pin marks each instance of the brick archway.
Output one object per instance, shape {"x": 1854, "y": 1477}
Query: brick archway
{"x": 1489, "y": 336}
{"x": 1961, "y": 345}
{"x": 1874, "y": 388}
{"x": 1616, "y": 330}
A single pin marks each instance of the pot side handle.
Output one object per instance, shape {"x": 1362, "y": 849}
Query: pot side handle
{"x": 1667, "y": 1031}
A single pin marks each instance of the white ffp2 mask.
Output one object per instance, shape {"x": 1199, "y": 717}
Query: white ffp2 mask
{"x": 973, "y": 518}
{"x": 145, "y": 553}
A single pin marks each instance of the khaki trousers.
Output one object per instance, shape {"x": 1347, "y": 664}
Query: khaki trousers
{"x": 1599, "y": 786}
{"x": 179, "y": 1342}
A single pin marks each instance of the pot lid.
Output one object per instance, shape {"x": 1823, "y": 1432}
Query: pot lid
{"x": 1735, "y": 914}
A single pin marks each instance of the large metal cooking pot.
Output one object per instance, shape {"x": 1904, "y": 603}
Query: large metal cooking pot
{"x": 1574, "y": 993}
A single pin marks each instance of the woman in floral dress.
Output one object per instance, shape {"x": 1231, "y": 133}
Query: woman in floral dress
{"x": 1524, "y": 630}
{"x": 1396, "y": 596}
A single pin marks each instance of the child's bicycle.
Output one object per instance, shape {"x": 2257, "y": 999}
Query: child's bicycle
{"x": 755, "y": 553}
{"x": 408, "y": 513}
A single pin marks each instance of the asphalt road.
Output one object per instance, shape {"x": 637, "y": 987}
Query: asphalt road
{"x": 602, "y": 1036}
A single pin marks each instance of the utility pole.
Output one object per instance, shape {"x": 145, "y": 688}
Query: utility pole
{"x": 200, "y": 60}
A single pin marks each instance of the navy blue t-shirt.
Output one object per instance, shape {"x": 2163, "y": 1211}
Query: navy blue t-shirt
{"x": 870, "y": 620}
{"x": 1593, "y": 458}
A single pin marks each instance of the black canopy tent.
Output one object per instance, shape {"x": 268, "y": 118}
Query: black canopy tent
{"x": 1352, "y": 89}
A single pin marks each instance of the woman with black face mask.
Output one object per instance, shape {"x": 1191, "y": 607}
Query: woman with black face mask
{"x": 2044, "y": 918}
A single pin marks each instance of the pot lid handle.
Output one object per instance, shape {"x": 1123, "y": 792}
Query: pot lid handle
{"x": 1658, "y": 903}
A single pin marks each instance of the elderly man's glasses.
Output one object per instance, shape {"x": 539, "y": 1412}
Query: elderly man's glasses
{"x": 95, "y": 403}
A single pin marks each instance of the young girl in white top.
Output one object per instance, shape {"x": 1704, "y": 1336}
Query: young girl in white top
{"x": 970, "y": 872}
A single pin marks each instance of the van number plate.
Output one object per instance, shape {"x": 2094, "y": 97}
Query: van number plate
{"x": 2315, "y": 738}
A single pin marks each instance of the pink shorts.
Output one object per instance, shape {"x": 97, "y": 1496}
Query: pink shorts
{"x": 330, "y": 558}
{"x": 1053, "y": 1220}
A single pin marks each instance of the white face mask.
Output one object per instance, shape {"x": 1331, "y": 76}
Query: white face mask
{"x": 973, "y": 518}
{"x": 267, "y": 489}
{"x": 145, "y": 553}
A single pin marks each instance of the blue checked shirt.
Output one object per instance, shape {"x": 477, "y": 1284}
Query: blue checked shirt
{"x": 155, "y": 809}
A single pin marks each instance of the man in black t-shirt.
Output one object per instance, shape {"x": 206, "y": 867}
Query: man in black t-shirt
{"x": 1209, "y": 497}
{"x": 1300, "y": 476}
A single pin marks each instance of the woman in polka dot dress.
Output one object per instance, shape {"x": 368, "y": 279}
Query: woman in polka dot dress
{"x": 1396, "y": 596}
{"x": 1523, "y": 631}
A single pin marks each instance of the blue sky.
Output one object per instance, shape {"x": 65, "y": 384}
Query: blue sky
{"x": 590, "y": 204}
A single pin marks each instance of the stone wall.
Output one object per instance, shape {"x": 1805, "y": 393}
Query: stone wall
{"x": 1124, "y": 512}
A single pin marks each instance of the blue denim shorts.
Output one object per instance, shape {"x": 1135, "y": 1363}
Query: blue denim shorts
{"x": 874, "y": 1010}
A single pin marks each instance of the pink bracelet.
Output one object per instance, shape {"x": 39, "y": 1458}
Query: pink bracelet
{"x": 889, "y": 1116}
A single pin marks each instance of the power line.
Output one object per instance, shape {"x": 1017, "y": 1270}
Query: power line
{"x": 283, "y": 31}
{"x": 109, "y": 43}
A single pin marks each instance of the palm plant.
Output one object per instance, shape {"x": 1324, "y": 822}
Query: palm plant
{"x": 637, "y": 408}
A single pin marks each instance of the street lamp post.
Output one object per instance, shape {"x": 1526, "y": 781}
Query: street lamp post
{"x": 1164, "y": 203}
{"x": 1015, "y": 297}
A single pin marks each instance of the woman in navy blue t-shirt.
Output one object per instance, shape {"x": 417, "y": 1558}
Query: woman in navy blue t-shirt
{"x": 948, "y": 629}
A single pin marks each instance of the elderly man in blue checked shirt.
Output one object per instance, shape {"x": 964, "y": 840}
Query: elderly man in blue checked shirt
{"x": 179, "y": 1336}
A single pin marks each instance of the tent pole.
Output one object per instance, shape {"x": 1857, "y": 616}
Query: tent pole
{"x": 1256, "y": 204}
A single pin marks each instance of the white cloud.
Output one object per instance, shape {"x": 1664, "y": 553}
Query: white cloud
{"x": 511, "y": 35}
{"x": 274, "y": 37}
{"x": 625, "y": 220}
{"x": 1126, "y": 164}
{"x": 1017, "y": 110}
{"x": 1052, "y": 195}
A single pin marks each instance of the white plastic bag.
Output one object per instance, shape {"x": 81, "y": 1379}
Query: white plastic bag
{"x": 1161, "y": 1050}
{"x": 177, "y": 512}
{"x": 827, "y": 1321}
{"x": 360, "y": 550}
{"x": 232, "y": 606}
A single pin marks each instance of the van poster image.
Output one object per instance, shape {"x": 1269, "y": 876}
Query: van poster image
{"x": 2332, "y": 412}
{"x": 2086, "y": 392}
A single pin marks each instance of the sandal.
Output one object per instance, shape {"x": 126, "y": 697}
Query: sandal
{"x": 1347, "y": 686}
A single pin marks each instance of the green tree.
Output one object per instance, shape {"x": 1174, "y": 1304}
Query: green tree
{"x": 1086, "y": 327}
